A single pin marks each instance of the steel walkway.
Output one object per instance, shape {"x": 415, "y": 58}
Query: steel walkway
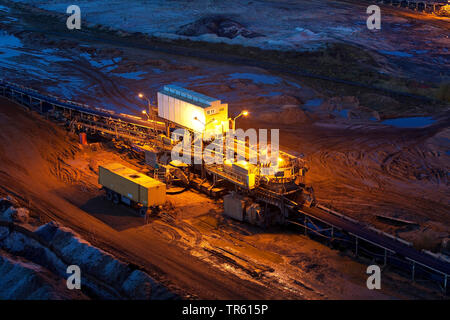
{"x": 393, "y": 247}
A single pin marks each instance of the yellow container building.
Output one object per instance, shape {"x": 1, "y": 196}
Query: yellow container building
{"x": 131, "y": 185}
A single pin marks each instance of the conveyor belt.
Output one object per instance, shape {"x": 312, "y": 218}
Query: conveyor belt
{"x": 336, "y": 220}
{"x": 78, "y": 107}
{"x": 380, "y": 240}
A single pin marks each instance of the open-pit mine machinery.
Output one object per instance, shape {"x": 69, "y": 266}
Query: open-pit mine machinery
{"x": 439, "y": 7}
{"x": 250, "y": 192}
{"x": 151, "y": 135}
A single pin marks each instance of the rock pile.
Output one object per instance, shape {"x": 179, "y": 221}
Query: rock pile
{"x": 218, "y": 25}
{"x": 11, "y": 212}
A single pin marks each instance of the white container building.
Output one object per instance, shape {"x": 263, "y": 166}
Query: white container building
{"x": 192, "y": 110}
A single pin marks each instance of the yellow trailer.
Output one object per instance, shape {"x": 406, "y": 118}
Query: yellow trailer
{"x": 123, "y": 184}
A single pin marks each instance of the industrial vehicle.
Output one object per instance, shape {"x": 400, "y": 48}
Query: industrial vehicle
{"x": 273, "y": 189}
{"x": 179, "y": 108}
{"x": 123, "y": 184}
{"x": 438, "y": 7}
{"x": 273, "y": 196}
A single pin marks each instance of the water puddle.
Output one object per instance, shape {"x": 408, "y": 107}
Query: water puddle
{"x": 396, "y": 53}
{"x": 9, "y": 45}
{"x": 410, "y": 122}
{"x": 316, "y": 102}
{"x": 256, "y": 78}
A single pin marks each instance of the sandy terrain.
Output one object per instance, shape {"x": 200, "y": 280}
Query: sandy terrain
{"x": 189, "y": 246}
{"x": 364, "y": 171}
{"x": 105, "y": 70}
{"x": 413, "y": 45}
{"x": 358, "y": 163}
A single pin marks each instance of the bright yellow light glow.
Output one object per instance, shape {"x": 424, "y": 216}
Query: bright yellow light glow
{"x": 446, "y": 9}
{"x": 280, "y": 160}
{"x": 198, "y": 118}
{"x": 140, "y": 95}
{"x": 183, "y": 113}
{"x": 144, "y": 112}
{"x": 245, "y": 113}
{"x": 243, "y": 163}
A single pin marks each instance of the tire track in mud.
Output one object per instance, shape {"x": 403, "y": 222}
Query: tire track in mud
{"x": 402, "y": 158}
{"x": 197, "y": 235}
{"x": 107, "y": 85}
{"x": 252, "y": 272}
{"x": 167, "y": 231}
{"x": 261, "y": 273}
{"x": 171, "y": 227}
{"x": 399, "y": 165}
{"x": 342, "y": 163}
{"x": 223, "y": 256}
{"x": 186, "y": 228}
{"x": 379, "y": 181}
{"x": 176, "y": 230}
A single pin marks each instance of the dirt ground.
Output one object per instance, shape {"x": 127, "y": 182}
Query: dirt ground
{"x": 189, "y": 246}
{"x": 105, "y": 67}
{"x": 358, "y": 165}
{"x": 364, "y": 171}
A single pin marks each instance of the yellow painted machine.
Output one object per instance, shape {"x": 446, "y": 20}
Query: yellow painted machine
{"x": 123, "y": 184}
{"x": 438, "y": 7}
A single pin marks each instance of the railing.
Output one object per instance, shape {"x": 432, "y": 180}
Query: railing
{"x": 362, "y": 242}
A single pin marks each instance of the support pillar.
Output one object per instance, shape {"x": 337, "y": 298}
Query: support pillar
{"x": 356, "y": 246}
